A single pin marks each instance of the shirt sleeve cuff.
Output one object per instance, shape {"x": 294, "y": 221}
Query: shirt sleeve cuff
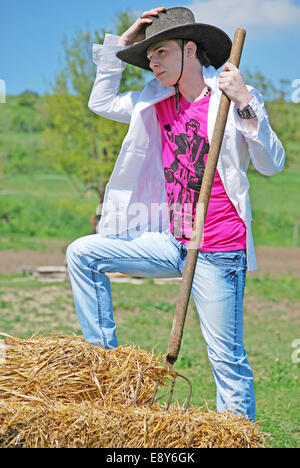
{"x": 111, "y": 40}
{"x": 257, "y": 106}
{"x": 104, "y": 56}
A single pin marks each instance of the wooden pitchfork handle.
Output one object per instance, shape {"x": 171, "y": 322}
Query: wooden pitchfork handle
{"x": 201, "y": 210}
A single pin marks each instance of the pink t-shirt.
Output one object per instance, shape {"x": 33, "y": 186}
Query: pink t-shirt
{"x": 185, "y": 148}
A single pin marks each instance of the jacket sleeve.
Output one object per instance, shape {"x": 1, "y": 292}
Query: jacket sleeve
{"x": 105, "y": 99}
{"x": 266, "y": 151}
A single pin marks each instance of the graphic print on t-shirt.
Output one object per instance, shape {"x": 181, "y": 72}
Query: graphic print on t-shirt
{"x": 184, "y": 175}
{"x": 185, "y": 147}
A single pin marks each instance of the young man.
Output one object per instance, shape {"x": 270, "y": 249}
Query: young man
{"x": 161, "y": 165}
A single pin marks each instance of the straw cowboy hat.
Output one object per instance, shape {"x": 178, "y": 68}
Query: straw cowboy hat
{"x": 179, "y": 23}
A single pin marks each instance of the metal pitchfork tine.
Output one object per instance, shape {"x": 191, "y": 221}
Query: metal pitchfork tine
{"x": 192, "y": 254}
{"x": 152, "y": 399}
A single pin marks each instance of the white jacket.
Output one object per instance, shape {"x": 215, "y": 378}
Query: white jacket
{"x": 136, "y": 189}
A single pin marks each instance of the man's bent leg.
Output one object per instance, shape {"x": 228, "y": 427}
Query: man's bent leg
{"x": 218, "y": 291}
{"x": 90, "y": 257}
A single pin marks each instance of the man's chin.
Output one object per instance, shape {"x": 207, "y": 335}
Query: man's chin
{"x": 164, "y": 83}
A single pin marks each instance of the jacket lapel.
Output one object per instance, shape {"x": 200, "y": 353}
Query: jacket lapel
{"x": 152, "y": 94}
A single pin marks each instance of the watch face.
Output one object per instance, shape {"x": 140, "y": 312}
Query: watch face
{"x": 247, "y": 113}
{"x": 250, "y": 111}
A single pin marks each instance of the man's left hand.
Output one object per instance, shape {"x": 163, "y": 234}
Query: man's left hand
{"x": 232, "y": 84}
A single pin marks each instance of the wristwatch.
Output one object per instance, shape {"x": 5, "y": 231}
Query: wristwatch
{"x": 246, "y": 113}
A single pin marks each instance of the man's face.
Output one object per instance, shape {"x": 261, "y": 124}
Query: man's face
{"x": 165, "y": 61}
{"x": 190, "y": 132}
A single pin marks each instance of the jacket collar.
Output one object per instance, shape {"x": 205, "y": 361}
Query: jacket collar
{"x": 154, "y": 92}
{"x": 211, "y": 78}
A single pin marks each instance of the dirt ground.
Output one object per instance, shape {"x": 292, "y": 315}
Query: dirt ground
{"x": 276, "y": 261}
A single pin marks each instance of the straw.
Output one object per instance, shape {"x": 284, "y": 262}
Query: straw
{"x": 60, "y": 391}
{"x": 68, "y": 369}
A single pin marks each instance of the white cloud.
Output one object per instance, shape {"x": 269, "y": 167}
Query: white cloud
{"x": 259, "y": 16}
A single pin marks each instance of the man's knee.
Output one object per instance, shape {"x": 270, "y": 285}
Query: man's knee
{"x": 77, "y": 251}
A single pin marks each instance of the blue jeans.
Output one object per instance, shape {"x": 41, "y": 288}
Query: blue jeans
{"x": 218, "y": 291}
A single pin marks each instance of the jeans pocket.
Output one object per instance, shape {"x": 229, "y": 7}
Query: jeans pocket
{"x": 231, "y": 259}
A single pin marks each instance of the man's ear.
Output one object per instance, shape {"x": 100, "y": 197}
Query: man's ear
{"x": 191, "y": 49}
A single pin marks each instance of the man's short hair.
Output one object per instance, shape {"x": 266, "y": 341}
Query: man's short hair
{"x": 201, "y": 53}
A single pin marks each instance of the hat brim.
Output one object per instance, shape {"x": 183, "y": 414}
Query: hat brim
{"x": 215, "y": 41}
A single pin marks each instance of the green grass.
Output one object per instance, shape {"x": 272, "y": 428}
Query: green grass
{"x": 144, "y": 314}
{"x": 40, "y": 185}
{"x": 274, "y": 289}
{"x": 42, "y": 207}
{"x": 275, "y": 205}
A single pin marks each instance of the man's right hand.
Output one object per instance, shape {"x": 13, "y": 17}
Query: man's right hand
{"x": 136, "y": 32}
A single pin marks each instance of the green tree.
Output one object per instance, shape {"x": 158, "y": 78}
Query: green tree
{"x": 266, "y": 86}
{"x": 284, "y": 115}
{"x": 80, "y": 143}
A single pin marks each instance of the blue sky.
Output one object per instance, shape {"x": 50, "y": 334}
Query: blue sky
{"x": 31, "y": 33}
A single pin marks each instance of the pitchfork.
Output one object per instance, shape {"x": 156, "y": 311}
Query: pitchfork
{"x": 192, "y": 253}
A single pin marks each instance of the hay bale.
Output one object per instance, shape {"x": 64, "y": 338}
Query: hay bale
{"x": 68, "y": 369}
{"x": 60, "y": 391}
{"x": 80, "y": 425}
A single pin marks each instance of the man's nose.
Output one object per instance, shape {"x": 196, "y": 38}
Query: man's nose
{"x": 154, "y": 63}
